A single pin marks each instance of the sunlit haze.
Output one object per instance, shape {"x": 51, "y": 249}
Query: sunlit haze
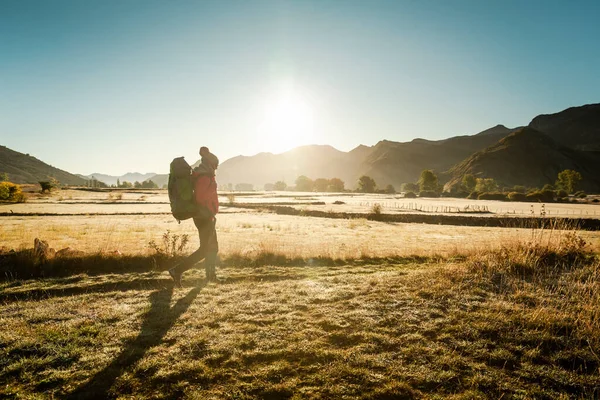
{"x": 121, "y": 86}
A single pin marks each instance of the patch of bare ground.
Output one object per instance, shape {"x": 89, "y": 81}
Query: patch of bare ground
{"x": 517, "y": 322}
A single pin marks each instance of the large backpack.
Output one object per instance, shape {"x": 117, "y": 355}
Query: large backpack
{"x": 181, "y": 190}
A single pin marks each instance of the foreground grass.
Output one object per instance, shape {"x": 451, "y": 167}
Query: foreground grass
{"x": 514, "y": 324}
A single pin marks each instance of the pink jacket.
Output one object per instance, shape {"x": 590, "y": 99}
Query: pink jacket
{"x": 205, "y": 192}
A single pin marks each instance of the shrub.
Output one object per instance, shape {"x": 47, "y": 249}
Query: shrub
{"x": 517, "y": 196}
{"x": 231, "y": 198}
{"x": 410, "y": 195}
{"x": 562, "y": 193}
{"x": 11, "y": 192}
{"x": 595, "y": 201}
{"x": 172, "y": 245}
{"x": 492, "y": 196}
{"x": 545, "y": 196}
{"x": 580, "y": 194}
{"x": 473, "y": 195}
{"x": 376, "y": 209}
{"x": 428, "y": 193}
{"x": 459, "y": 194}
{"x": 46, "y": 186}
{"x": 548, "y": 195}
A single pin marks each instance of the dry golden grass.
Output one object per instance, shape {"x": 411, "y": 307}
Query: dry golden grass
{"x": 433, "y": 330}
{"x": 250, "y": 233}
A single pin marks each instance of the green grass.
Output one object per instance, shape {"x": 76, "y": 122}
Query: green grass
{"x": 481, "y": 327}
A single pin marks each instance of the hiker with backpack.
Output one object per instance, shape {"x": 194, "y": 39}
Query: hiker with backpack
{"x": 193, "y": 194}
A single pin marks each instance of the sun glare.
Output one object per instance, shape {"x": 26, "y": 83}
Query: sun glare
{"x": 287, "y": 122}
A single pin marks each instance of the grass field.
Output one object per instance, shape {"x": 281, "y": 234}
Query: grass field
{"x": 310, "y": 308}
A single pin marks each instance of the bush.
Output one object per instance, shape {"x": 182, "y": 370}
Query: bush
{"x": 376, "y": 209}
{"x": 458, "y": 194}
{"x": 548, "y": 195}
{"x": 11, "y": 192}
{"x": 46, "y": 186}
{"x": 517, "y": 196}
{"x": 580, "y": 195}
{"x": 172, "y": 245}
{"x": 562, "y": 193}
{"x": 410, "y": 195}
{"x": 492, "y": 196}
{"x": 545, "y": 196}
{"x": 473, "y": 195}
{"x": 428, "y": 193}
{"x": 595, "y": 201}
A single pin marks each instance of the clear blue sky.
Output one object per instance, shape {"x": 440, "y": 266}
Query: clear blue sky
{"x": 126, "y": 85}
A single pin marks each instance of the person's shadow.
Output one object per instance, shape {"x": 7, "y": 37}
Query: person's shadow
{"x": 157, "y": 322}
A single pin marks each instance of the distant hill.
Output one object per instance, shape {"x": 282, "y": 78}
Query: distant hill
{"x": 576, "y": 127}
{"x": 531, "y": 158}
{"x": 23, "y": 168}
{"x": 395, "y": 163}
{"x": 387, "y": 162}
{"x": 160, "y": 179}
{"x": 315, "y": 161}
{"x": 129, "y": 177}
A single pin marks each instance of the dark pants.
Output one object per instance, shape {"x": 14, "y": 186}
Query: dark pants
{"x": 209, "y": 247}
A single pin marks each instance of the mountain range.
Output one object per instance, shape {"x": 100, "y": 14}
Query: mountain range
{"x": 530, "y": 156}
{"x": 23, "y": 168}
{"x": 112, "y": 179}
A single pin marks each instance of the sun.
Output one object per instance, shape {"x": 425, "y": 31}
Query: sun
{"x": 288, "y": 121}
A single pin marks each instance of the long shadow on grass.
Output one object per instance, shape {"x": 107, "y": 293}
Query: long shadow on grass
{"x": 155, "y": 283}
{"x": 103, "y": 287}
{"x": 157, "y": 322}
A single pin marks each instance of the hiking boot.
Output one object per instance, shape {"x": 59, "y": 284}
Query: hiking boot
{"x": 211, "y": 276}
{"x": 176, "y": 277}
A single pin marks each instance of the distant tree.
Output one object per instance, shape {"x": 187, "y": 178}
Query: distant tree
{"x": 568, "y": 180}
{"x": 486, "y": 185}
{"x": 428, "y": 182}
{"x": 366, "y": 184}
{"x": 46, "y": 186}
{"x": 304, "y": 184}
{"x": 518, "y": 189}
{"x": 548, "y": 186}
{"x": 126, "y": 185}
{"x": 149, "y": 184}
{"x": 390, "y": 189}
{"x": 3, "y": 177}
{"x": 469, "y": 182}
{"x": 242, "y": 187}
{"x": 336, "y": 185}
{"x": 280, "y": 185}
{"x": 118, "y": 183}
{"x": 321, "y": 184}
{"x": 410, "y": 187}
{"x": 137, "y": 185}
{"x": 268, "y": 187}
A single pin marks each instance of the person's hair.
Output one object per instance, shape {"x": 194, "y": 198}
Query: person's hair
{"x": 204, "y": 150}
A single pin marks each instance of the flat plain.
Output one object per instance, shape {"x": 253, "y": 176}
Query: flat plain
{"x": 310, "y": 307}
